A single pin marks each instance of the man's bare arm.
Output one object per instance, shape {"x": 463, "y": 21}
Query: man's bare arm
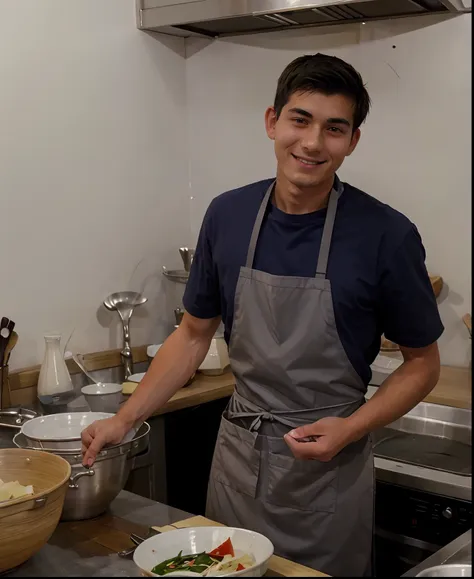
{"x": 175, "y": 362}
{"x": 400, "y": 392}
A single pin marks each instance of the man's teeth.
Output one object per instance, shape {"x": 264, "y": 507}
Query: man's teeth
{"x": 309, "y": 162}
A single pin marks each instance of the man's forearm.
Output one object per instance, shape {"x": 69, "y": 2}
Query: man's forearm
{"x": 173, "y": 365}
{"x": 400, "y": 392}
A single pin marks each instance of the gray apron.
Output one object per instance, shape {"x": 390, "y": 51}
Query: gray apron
{"x": 291, "y": 369}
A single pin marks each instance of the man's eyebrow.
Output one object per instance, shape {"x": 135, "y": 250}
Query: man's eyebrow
{"x": 301, "y": 112}
{"x": 330, "y": 121}
{"x": 338, "y": 121}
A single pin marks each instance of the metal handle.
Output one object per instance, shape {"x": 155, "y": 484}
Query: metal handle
{"x": 135, "y": 539}
{"x": 28, "y": 506}
{"x": 75, "y": 477}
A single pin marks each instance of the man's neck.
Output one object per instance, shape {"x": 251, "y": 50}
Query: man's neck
{"x": 296, "y": 201}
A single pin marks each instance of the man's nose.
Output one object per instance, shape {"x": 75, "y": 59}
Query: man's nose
{"x": 313, "y": 140}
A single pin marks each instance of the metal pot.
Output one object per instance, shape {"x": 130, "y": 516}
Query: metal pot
{"x": 91, "y": 490}
{"x": 447, "y": 571}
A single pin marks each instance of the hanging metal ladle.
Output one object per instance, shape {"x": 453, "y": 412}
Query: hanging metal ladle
{"x": 124, "y": 303}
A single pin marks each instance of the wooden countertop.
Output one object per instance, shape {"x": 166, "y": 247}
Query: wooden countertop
{"x": 453, "y": 389}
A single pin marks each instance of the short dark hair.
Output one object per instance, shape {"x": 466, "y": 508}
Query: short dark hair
{"x": 327, "y": 74}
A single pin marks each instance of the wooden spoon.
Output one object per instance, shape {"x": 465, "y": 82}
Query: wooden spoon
{"x": 8, "y": 350}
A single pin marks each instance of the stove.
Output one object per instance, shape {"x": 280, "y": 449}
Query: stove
{"x": 423, "y": 485}
{"x": 432, "y": 452}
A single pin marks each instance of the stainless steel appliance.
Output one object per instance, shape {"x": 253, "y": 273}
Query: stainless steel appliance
{"x": 423, "y": 488}
{"x": 213, "y": 18}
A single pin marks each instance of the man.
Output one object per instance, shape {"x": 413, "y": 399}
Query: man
{"x": 306, "y": 273}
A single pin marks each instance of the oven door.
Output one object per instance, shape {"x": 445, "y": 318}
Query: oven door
{"x": 395, "y": 554}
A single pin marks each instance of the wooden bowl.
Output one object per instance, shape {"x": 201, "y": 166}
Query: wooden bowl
{"x": 27, "y": 523}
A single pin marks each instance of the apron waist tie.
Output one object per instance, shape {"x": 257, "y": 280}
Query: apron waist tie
{"x": 260, "y": 414}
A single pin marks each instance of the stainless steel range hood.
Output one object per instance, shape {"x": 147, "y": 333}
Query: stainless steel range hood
{"x": 214, "y": 18}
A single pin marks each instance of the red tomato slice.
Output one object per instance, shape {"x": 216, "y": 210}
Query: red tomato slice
{"x": 225, "y": 549}
{"x": 240, "y": 567}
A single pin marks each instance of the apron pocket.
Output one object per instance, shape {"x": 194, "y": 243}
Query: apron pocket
{"x": 236, "y": 461}
{"x": 306, "y": 485}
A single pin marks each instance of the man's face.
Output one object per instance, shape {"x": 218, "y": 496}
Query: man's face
{"x": 313, "y": 135}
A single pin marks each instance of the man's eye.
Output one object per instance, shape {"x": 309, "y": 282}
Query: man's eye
{"x": 300, "y": 121}
{"x": 335, "y": 129}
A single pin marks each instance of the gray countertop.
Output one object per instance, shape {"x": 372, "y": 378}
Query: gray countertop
{"x": 60, "y": 557}
{"x": 457, "y": 552}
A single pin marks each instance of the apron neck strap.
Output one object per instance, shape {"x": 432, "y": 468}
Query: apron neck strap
{"x": 258, "y": 225}
{"x": 323, "y": 257}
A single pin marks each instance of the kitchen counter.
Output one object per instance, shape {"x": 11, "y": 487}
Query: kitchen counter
{"x": 89, "y": 548}
{"x": 453, "y": 389}
{"x": 458, "y": 552}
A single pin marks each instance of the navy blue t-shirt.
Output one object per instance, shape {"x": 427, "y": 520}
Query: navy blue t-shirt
{"x": 376, "y": 267}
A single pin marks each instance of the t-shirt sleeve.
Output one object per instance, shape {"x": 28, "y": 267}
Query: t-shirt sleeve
{"x": 202, "y": 297}
{"x": 410, "y": 313}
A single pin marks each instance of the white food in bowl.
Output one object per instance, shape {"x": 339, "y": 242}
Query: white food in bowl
{"x": 198, "y": 539}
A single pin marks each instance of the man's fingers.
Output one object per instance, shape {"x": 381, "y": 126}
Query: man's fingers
{"x": 305, "y": 450}
{"x": 94, "y": 448}
{"x": 306, "y": 431}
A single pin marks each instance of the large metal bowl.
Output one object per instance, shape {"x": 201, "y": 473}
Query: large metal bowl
{"x": 447, "y": 571}
{"x": 91, "y": 490}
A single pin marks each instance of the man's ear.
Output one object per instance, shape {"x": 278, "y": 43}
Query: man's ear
{"x": 354, "y": 141}
{"x": 270, "y": 122}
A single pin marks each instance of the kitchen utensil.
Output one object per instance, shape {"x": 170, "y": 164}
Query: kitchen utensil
{"x": 447, "y": 571}
{"x": 135, "y": 444}
{"x": 63, "y": 430}
{"x": 124, "y": 303}
{"x": 14, "y": 418}
{"x": 468, "y": 323}
{"x": 197, "y": 539}
{"x": 5, "y": 332}
{"x": 12, "y": 342}
{"x": 79, "y": 361}
{"x": 91, "y": 490}
{"x": 137, "y": 540}
{"x": 54, "y": 383}
{"x": 103, "y": 397}
{"x": 178, "y": 316}
{"x": 177, "y": 275}
{"x": 187, "y": 255}
{"x": 27, "y": 523}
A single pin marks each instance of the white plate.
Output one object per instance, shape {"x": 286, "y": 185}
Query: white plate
{"x": 136, "y": 377}
{"x": 63, "y": 426}
{"x": 197, "y": 539}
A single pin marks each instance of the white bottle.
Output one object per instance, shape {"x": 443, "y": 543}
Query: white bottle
{"x": 54, "y": 382}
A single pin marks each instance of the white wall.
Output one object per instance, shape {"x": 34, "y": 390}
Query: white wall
{"x": 415, "y": 152}
{"x": 93, "y": 170}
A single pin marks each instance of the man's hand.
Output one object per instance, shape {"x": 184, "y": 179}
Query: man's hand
{"x": 330, "y": 434}
{"x": 98, "y": 434}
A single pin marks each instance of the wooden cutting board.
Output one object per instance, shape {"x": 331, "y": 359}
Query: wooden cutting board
{"x": 278, "y": 567}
